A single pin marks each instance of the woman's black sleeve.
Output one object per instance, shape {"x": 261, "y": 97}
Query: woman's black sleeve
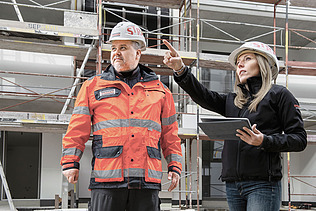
{"x": 206, "y": 98}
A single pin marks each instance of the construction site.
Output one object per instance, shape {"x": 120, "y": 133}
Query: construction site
{"x": 48, "y": 48}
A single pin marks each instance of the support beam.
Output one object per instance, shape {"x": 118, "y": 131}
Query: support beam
{"x": 77, "y": 79}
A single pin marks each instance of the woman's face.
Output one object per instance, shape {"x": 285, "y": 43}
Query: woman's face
{"x": 247, "y": 66}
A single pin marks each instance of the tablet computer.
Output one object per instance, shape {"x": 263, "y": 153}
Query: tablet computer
{"x": 223, "y": 128}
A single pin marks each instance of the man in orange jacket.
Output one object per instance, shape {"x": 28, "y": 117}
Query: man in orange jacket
{"x": 133, "y": 117}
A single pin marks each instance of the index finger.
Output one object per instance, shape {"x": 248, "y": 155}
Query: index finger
{"x": 170, "y": 47}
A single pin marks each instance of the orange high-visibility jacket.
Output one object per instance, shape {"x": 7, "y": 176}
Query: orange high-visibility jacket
{"x": 129, "y": 128}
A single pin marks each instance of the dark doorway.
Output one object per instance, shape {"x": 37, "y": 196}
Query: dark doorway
{"x": 22, "y": 161}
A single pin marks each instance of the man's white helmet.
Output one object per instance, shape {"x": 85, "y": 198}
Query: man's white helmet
{"x": 258, "y": 48}
{"x": 128, "y": 31}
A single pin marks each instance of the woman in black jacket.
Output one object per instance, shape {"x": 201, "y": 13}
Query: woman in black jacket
{"x": 251, "y": 166}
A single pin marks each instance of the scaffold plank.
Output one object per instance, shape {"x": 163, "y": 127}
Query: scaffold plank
{"x": 47, "y": 29}
{"x": 79, "y": 51}
{"x": 150, "y": 56}
{"x": 29, "y": 117}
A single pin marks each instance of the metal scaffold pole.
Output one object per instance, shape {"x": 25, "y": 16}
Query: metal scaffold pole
{"x": 77, "y": 79}
{"x": 99, "y": 59}
{"x": 6, "y": 188}
{"x": 17, "y": 10}
{"x": 274, "y": 25}
{"x": 286, "y": 81}
{"x": 198, "y": 110}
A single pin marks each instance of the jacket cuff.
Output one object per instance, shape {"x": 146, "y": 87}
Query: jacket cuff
{"x": 264, "y": 143}
{"x": 180, "y": 77}
{"x": 174, "y": 169}
{"x": 72, "y": 165}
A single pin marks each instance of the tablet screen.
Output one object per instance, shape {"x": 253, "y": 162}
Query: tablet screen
{"x": 223, "y": 128}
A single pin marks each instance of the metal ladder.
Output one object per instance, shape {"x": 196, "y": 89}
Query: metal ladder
{"x": 6, "y": 188}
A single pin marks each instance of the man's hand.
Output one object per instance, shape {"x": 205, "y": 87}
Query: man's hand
{"x": 172, "y": 59}
{"x": 174, "y": 177}
{"x": 71, "y": 175}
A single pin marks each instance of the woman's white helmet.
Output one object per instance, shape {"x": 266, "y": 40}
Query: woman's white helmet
{"x": 128, "y": 31}
{"x": 258, "y": 48}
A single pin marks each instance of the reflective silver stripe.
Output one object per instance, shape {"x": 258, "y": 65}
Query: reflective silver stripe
{"x": 170, "y": 120}
{"x": 110, "y": 124}
{"x": 72, "y": 151}
{"x": 116, "y": 173}
{"x": 154, "y": 174}
{"x": 173, "y": 157}
{"x": 81, "y": 110}
{"x": 151, "y": 125}
{"x": 134, "y": 172}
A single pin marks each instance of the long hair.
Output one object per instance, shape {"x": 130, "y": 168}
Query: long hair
{"x": 266, "y": 76}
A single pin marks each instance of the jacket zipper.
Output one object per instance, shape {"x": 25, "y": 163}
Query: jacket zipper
{"x": 241, "y": 114}
{"x": 238, "y": 156}
{"x": 269, "y": 170}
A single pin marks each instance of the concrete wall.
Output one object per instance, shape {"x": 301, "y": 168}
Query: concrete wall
{"x": 27, "y": 62}
{"x": 298, "y": 85}
{"x": 51, "y": 176}
{"x": 85, "y": 171}
{"x": 301, "y": 164}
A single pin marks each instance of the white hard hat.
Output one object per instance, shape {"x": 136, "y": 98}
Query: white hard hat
{"x": 128, "y": 31}
{"x": 258, "y": 48}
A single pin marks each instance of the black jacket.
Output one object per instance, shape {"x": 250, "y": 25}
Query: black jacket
{"x": 278, "y": 117}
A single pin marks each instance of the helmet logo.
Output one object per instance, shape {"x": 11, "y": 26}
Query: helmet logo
{"x": 132, "y": 30}
{"x": 262, "y": 46}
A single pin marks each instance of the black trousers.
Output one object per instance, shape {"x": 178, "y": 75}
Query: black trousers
{"x": 123, "y": 199}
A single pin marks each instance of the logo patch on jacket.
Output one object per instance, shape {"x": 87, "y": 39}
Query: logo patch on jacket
{"x": 106, "y": 93}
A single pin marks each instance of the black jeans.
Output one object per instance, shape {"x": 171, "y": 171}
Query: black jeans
{"x": 124, "y": 199}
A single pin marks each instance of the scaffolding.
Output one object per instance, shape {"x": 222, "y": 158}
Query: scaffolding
{"x": 99, "y": 53}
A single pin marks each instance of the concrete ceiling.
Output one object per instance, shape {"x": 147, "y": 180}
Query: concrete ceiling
{"x": 36, "y": 15}
{"x": 244, "y": 32}
{"x": 244, "y": 20}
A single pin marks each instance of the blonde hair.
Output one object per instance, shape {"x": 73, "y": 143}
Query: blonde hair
{"x": 266, "y": 76}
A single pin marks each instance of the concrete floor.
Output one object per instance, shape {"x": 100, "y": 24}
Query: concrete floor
{"x": 29, "y": 205}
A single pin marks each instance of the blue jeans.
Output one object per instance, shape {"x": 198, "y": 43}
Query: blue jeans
{"x": 254, "y": 195}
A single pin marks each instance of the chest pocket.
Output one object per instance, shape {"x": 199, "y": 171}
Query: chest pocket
{"x": 107, "y": 93}
{"x": 154, "y": 95}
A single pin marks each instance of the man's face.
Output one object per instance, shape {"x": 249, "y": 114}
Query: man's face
{"x": 124, "y": 56}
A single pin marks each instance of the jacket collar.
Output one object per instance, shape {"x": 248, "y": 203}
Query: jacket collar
{"x": 146, "y": 74}
{"x": 131, "y": 75}
{"x": 253, "y": 85}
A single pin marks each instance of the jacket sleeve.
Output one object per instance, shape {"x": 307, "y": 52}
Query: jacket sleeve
{"x": 206, "y": 98}
{"x": 293, "y": 138}
{"x": 78, "y": 131}
{"x": 170, "y": 142}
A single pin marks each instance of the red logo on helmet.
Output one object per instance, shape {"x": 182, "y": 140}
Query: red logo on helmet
{"x": 263, "y": 46}
{"x": 133, "y": 30}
